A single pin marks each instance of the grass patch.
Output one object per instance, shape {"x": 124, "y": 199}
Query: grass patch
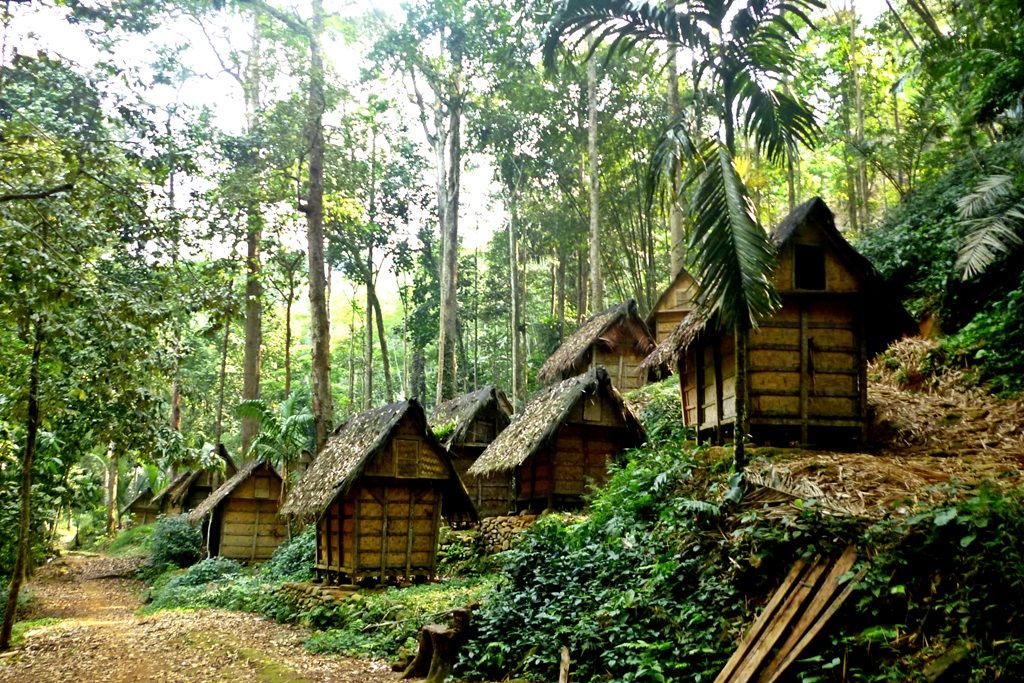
{"x": 132, "y": 541}
{"x": 378, "y": 624}
{"x": 23, "y": 627}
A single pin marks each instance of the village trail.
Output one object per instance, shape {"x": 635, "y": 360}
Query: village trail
{"x": 97, "y": 635}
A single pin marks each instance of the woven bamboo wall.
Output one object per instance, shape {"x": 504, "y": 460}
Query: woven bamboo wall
{"x": 590, "y": 437}
{"x": 675, "y": 305}
{"x": 492, "y": 494}
{"x": 623, "y": 367}
{"x": 250, "y": 526}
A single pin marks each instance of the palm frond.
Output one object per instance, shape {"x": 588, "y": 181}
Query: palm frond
{"x": 731, "y": 253}
{"x": 254, "y": 409}
{"x": 985, "y": 197}
{"x": 988, "y": 238}
{"x": 776, "y": 121}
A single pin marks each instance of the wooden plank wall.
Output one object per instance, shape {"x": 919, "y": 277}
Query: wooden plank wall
{"x": 677, "y": 305}
{"x": 623, "y": 368}
{"x": 380, "y": 530}
{"x": 251, "y": 528}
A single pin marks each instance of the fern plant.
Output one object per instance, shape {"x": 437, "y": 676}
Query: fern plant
{"x": 993, "y": 216}
{"x": 285, "y": 430}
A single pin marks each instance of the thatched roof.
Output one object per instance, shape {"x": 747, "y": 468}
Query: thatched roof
{"x": 178, "y": 488}
{"x": 146, "y": 494}
{"x": 573, "y": 352}
{"x": 462, "y": 410}
{"x": 888, "y": 320}
{"x": 225, "y": 490}
{"x": 537, "y": 423}
{"x": 351, "y": 447}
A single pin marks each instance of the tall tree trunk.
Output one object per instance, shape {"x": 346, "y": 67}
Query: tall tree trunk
{"x": 862, "y": 168}
{"x": 25, "y": 494}
{"x": 516, "y": 322}
{"x": 288, "y": 338}
{"x": 447, "y": 353}
{"x": 218, "y": 428}
{"x": 677, "y": 243}
{"x": 389, "y": 385}
{"x": 323, "y": 406}
{"x": 560, "y": 295}
{"x": 596, "y": 281}
{"x": 368, "y": 349}
{"x": 111, "y": 492}
{"x": 352, "y": 359}
{"x": 253, "y": 324}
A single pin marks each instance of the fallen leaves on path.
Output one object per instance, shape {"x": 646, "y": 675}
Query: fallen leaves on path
{"x": 99, "y": 637}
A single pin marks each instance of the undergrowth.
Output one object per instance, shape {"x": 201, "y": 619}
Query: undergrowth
{"x": 132, "y": 541}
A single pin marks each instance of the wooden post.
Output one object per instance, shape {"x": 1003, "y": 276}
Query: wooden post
{"x": 698, "y": 357}
{"x": 384, "y": 534}
{"x": 255, "y": 533}
{"x": 408, "y": 537}
{"x": 716, "y": 355}
{"x": 681, "y": 370}
{"x": 862, "y": 370}
{"x": 327, "y": 536}
{"x": 356, "y": 519}
{"x": 563, "y": 666}
{"x": 804, "y": 373}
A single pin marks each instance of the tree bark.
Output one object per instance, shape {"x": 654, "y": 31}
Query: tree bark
{"x": 219, "y": 425}
{"x": 253, "y": 324}
{"x": 862, "y": 173}
{"x": 111, "y": 492}
{"x": 518, "y": 365}
{"x": 389, "y": 385}
{"x": 447, "y": 355}
{"x": 25, "y": 494}
{"x": 677, "y": 243}
{"x": 288, "y": 338}
{"x": 368, "y": 348}
{"x": 352, "y": 360}
{"x": 323, "y": 405}
{"x": 560, "y": 294}
{"x": 596, "y": 281}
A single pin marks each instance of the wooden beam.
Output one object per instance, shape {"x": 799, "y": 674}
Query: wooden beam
{"x": 805, "y": 374}
{"x": 716, "y": 356}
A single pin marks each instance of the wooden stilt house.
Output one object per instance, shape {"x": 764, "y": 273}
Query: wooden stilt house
{"x": 466, "y": 425}
{"x": 806, "y": 364}
{"x": 377, "y": 491}
{"x": 142, "y": 508}
{"x": 616, "y": 338}
{"x": 674, "y": 304}
{"x": 190, "y": 488}
{"x": 562, "y": 441}
{"x": 241, "y": 518}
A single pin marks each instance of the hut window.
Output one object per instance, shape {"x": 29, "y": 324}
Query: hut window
{"x": 810, "y": 266}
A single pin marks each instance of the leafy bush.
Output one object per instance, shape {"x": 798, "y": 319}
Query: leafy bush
{"x": 175, "y": 542}
{"x": 292, "y": 560}
{"x": 132, "y": 541}
{"x": 992, "y": 341}
{"x": 378, "y": 624}
{"x": 660, "y": 411}
{"x": 650, "y": 587}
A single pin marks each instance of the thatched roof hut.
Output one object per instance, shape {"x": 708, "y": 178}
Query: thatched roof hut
{"x": 243, "y": 514}
{"x": 188, "y": 489}
{"x": 142, "y": 508}
{"x": 675, "y": 303}
{"x": 563, "y": 439}
{"x": 616, "y": 338}
{"x": 466, "y": 425}
{"x": 807, "y": 363}
{"x": 377, "y": 490}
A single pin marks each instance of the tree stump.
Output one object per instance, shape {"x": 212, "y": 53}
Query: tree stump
{"x": 438, "y": 646}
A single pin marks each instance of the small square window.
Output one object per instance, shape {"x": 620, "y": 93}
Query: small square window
{"x": 810, "y": 267}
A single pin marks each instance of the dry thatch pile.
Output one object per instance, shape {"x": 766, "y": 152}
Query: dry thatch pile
{"x": 573, "y": 351}
{"x": 542, "y": 416}
{"x": 223, "y": 491}
{"x": 932, "y": 431}
{"x": 462, "y": 410}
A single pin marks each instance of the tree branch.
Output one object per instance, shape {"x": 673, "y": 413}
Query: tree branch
{"x": 38, "y": 194}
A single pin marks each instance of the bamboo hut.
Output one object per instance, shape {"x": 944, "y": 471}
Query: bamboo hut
{"x": 563, "y": 440}
{"x": 190, "y": 488}
{"x": 142, "y": 508}
{"x": 240, "y": 519}
{"x": 674, "y": 304}
{"x": 467, "y": 425}
{"x": 806, "y": 364}
{"x": 377, "y": 491}
{"x": 616, "y": 338}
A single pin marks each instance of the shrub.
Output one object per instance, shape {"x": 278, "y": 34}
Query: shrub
{"x": 132, "y": 541}
{"x": 292, "y": 560}
{"x": 175, "y": 542}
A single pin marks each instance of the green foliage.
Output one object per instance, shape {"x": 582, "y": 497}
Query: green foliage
{"x": 174, "y": 542}
{"x": 132, "y": 541}
{"x": 292, "y": 560}
{"x": 991, "y": 342}
{"x": 651, "y": 587}
{"x": 461, "y": 553}
{"x": 377, "y": 624}
{"x": 660, "y": 412}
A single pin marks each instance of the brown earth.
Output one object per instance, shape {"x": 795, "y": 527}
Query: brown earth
{"x": 96, "y": 635}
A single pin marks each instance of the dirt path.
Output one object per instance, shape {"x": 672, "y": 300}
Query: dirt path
{"x": 96, "y": 636}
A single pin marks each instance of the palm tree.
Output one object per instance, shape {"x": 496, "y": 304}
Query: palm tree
{"x": 742, "y": 51}
{"x": 284, "y": 432}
